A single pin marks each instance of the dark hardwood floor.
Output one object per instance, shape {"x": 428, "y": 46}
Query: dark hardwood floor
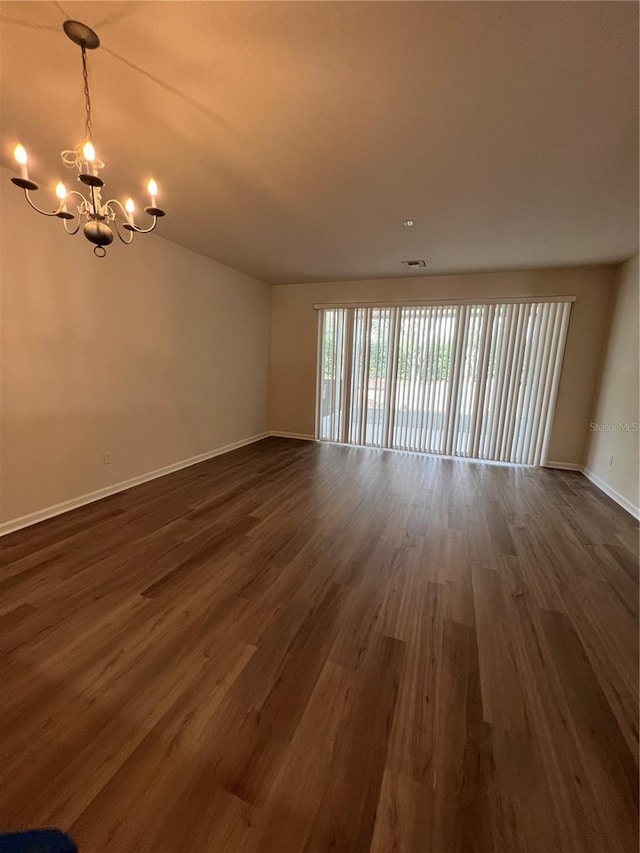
{"x": 299, "y": 647}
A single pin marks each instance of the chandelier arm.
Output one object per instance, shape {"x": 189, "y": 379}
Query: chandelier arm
{"x": 80, "y": 196}
{"x": 139, "y": 230}
{"x": 75, "y": 230}
{"x": 36, "y": 208}
{"x": 122, "y": 240}
{"x": 120, "y": 205}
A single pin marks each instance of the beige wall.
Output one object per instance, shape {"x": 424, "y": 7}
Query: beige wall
{"x": 155, "y": 354}
{"x": 294, "y": 335}
{"x": 617, "y": 399}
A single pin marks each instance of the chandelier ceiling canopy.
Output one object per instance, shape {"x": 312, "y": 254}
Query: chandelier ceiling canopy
{"x": 100, "y": 218}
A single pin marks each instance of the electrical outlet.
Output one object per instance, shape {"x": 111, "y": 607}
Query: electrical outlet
{"x": 611, "y": 460}
{"x": 106, "y": 457}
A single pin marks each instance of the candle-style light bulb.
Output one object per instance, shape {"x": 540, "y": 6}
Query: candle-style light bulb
{"x": 89, "y": 154}
{"x": 129, "y": 206}
{"x": 20, "y": 154}
{"x": 61, "y": 192}
{"x": 153, "y": 191}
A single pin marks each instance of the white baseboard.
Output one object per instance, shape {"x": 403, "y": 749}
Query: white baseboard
{"x": 599, "y": 483}
{"x": 301, "y": 435}
{"x": 90, "y": 497}
{"x": 615, "y": 496}
{"x": 563, "y": 466}
{"x": 58, "y": 509}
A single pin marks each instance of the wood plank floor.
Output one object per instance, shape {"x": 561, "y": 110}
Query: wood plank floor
{"x": 299, "y": 647}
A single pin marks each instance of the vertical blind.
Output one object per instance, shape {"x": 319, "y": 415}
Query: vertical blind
{"x": 463, "y": 380}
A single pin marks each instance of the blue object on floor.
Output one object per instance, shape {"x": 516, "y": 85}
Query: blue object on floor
{"x": 37, "y": 841}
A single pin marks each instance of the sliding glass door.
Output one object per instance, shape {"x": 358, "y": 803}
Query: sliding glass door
{"x": 462, "y": 380}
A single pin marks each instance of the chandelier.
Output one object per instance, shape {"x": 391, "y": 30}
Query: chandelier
{"x": 100, "y": 217}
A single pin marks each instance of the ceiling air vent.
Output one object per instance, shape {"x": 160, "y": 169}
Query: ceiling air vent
{"x": 414, "y": 265}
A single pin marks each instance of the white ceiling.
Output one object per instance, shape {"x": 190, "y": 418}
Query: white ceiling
{"x": 290, "y": 139}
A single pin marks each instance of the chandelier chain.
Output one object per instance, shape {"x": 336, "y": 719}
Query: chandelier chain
{"x": 87, "y": 95}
